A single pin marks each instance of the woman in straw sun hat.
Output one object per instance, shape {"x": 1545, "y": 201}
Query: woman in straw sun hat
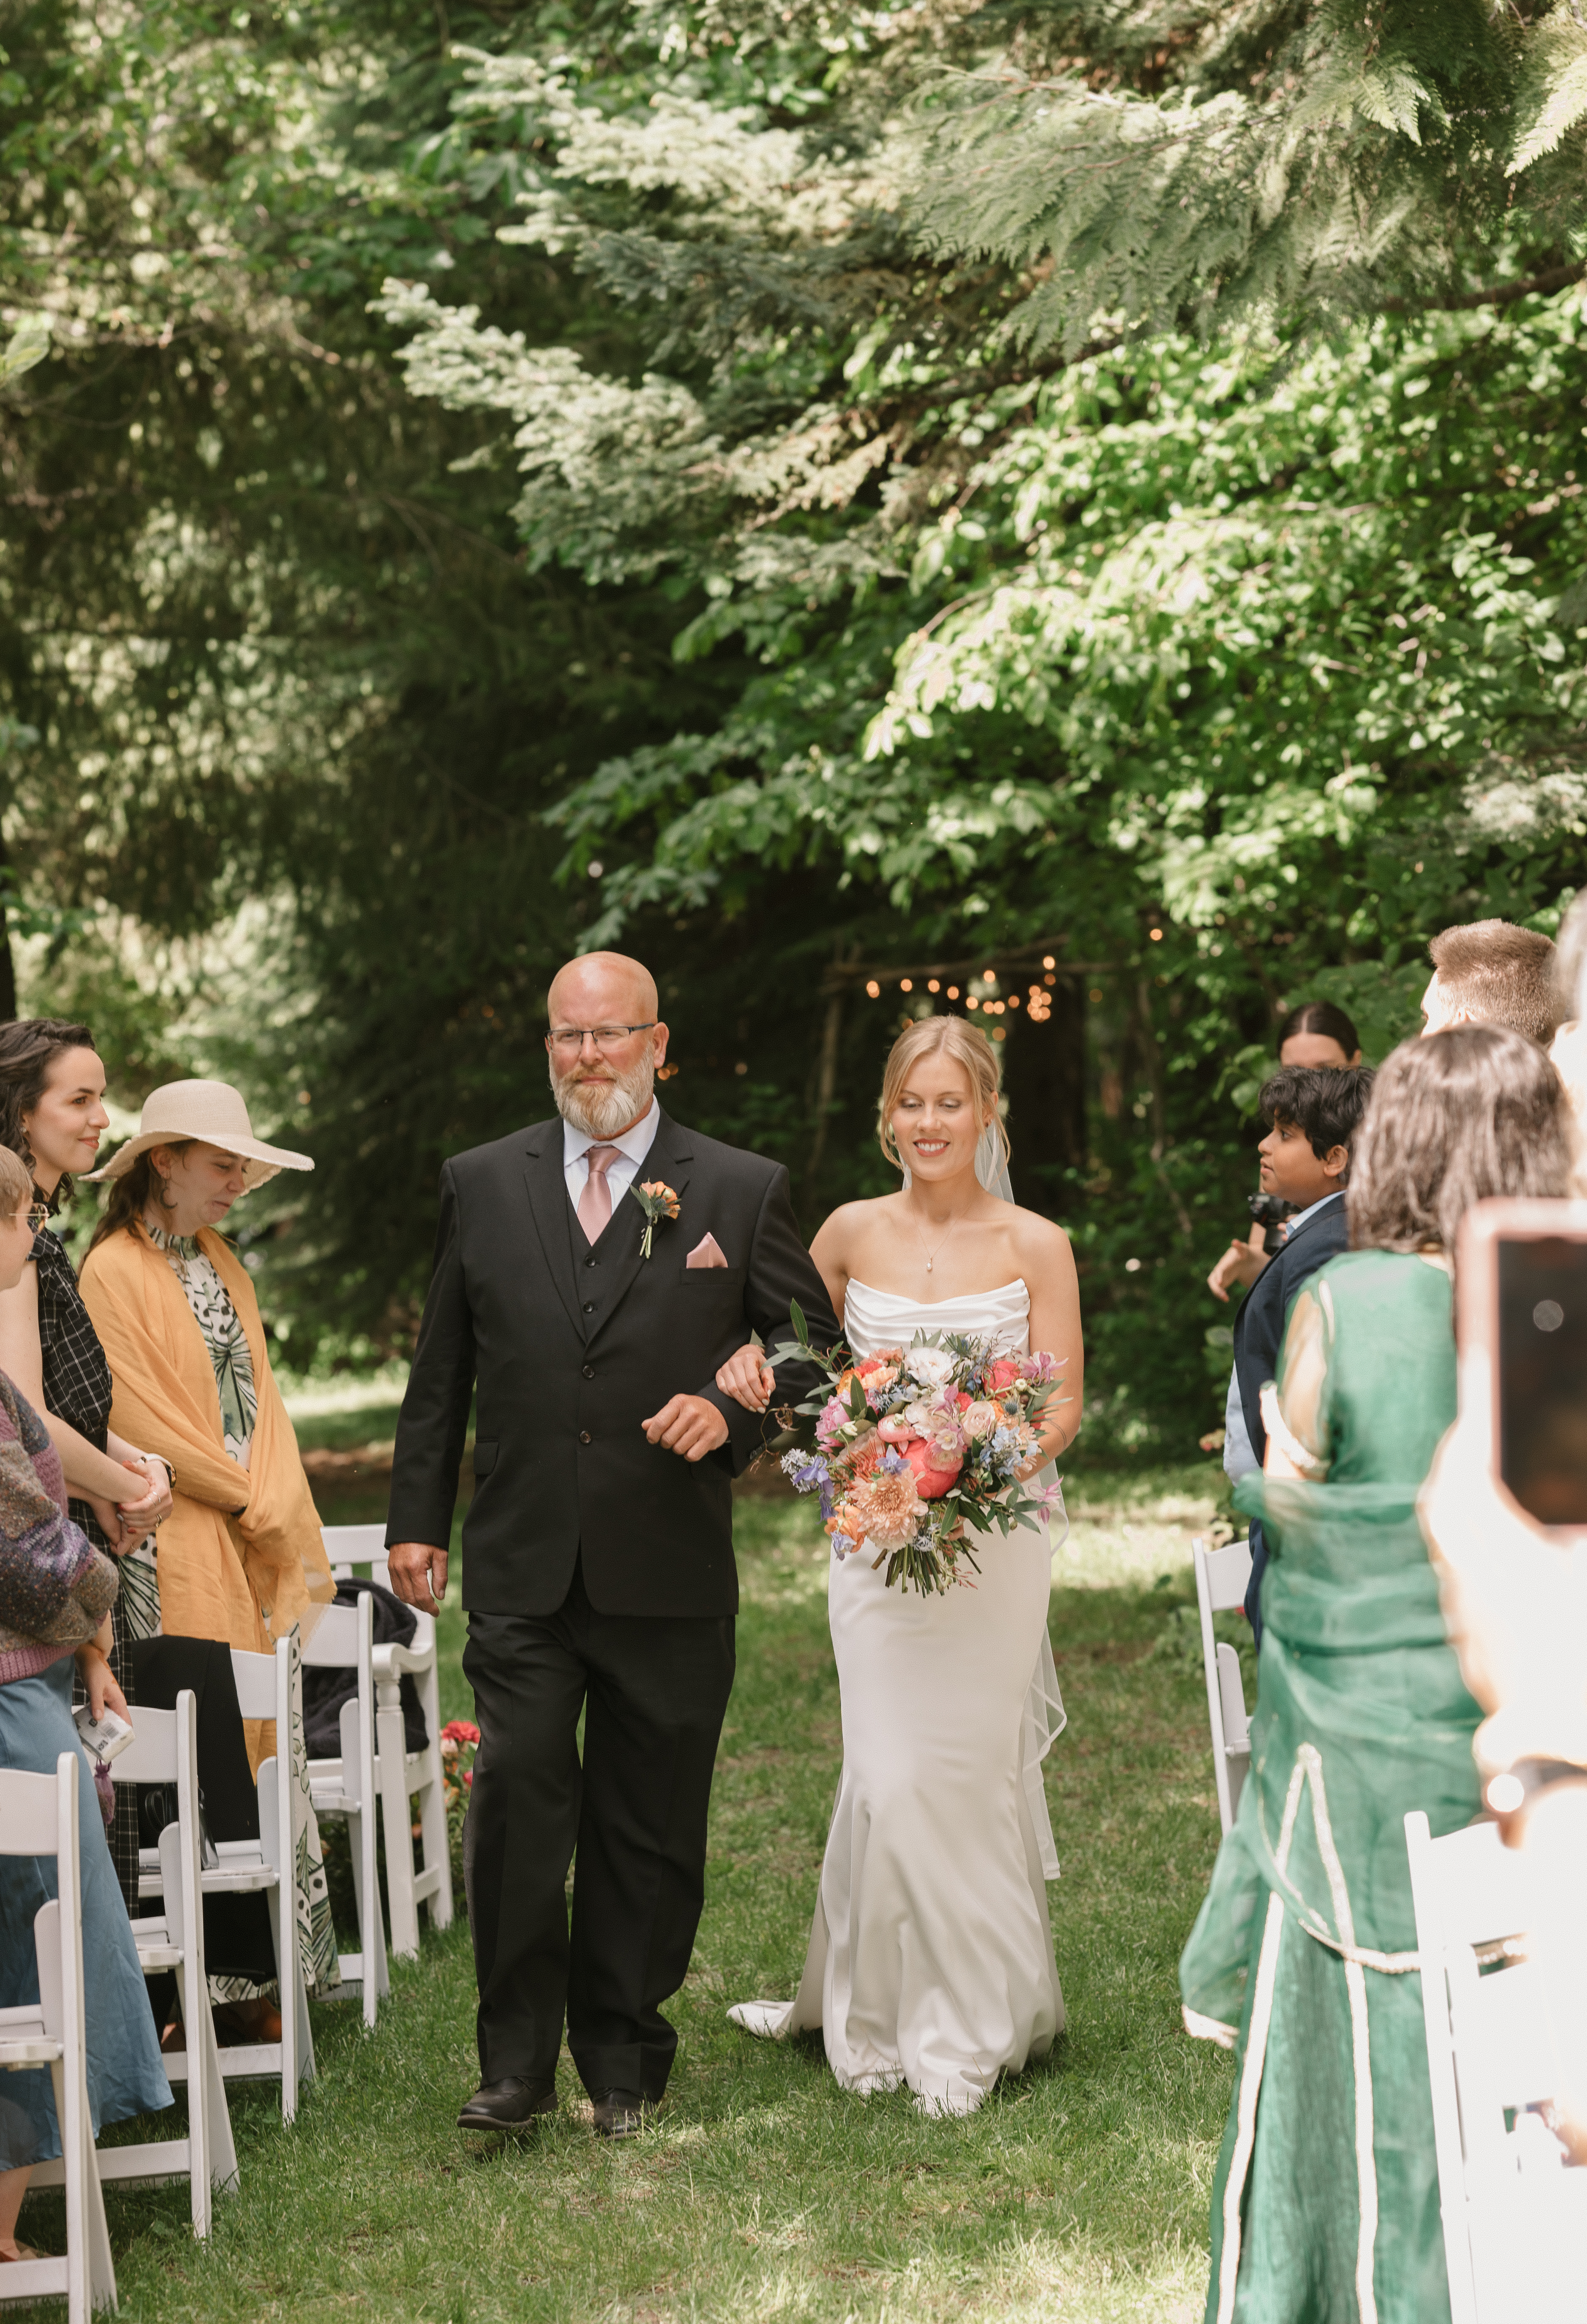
{"x": 240, "y": 1559}
{"x": 240, "y": 1556}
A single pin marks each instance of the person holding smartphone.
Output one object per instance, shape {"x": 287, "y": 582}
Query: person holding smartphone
{"x": 1326, "y": 2195}
{"x": 1504, "y": 1514}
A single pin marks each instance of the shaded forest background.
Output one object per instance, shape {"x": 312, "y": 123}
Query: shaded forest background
{"x": 1075, "y": 505}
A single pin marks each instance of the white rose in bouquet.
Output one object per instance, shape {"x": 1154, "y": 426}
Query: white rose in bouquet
{"x": 931, "y": 1367}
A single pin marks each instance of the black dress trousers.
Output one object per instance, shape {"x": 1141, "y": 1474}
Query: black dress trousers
{"x": 654, "y": 1693}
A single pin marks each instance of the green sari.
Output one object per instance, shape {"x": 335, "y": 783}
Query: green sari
{"x": 1325, "y": 2205}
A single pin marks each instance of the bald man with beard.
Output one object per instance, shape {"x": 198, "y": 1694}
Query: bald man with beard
{"x": 598, "y": 1572}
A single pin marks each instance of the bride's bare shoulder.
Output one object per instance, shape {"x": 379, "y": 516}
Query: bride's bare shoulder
{"x": 1039, "y": 1240}
{"x": 851, "y": 1221}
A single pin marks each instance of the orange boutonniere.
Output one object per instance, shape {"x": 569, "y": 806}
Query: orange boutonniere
{"x": 657, "y": 1200}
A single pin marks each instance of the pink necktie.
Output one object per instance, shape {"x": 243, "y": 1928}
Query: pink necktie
{"x": 594, "y": 1205}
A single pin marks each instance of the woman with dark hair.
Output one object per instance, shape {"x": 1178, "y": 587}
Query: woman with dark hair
{"x": 51, "y": 1117}
{"x": 1303, "y": 1959}
{"x": 1317, "y": 1033}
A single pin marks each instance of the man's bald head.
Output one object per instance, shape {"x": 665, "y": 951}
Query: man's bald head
{"x": 603, "y": 988}
{"x": 605, "y": 1089}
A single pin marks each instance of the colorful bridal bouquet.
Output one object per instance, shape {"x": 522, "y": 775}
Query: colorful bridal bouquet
{"x": 916, "y": 1445}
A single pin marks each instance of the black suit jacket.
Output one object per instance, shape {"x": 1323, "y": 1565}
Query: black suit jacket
{"x": 571, "y": 1349}
{"x": 1258, "y": 1328}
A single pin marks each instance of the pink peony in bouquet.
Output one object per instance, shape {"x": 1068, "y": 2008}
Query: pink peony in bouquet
{"x": 916, "y": 1446}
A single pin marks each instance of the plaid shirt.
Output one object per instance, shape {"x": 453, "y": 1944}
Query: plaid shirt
{"x": 77, "y": 1389}
{"x": 76, "y": 1377}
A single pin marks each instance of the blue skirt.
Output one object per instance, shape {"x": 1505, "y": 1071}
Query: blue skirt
{"x": 126, "y": 2076}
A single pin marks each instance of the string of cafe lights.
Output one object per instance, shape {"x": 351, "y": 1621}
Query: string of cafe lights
{"x": 992, "y": 991}
{"x": 986, "y": 1001}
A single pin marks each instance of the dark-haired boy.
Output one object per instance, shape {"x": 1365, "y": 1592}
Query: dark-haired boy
{"x": 1312, "y": 1113}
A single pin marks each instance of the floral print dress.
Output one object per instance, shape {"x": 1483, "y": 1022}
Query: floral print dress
{"x": 218, "y": 1321}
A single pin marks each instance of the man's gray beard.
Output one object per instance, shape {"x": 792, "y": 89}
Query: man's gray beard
{"x": 602, "y": 1111}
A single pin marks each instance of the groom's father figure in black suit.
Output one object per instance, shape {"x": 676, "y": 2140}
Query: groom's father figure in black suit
{"x": 598, "y": 1571}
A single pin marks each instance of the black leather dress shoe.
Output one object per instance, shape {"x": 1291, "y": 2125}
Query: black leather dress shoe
{"x": 621, "y": 2114}
{"x": 508, "y": 2105}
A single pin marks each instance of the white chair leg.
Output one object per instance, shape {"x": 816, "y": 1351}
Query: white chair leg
{"x": 101, "y": 2266}
{"x": 194, "y": 2010}
{"x": 90, "y": 2271}
{"x": 362, "y": 1834}
{"x": 77, "y": 2282}
{"x": 438, "y": 1839}
{"x": 222, "y": 2151}
{"x": 397, "y": 1817}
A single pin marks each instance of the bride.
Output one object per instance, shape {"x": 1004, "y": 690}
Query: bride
{"x": 930, "y": 1959}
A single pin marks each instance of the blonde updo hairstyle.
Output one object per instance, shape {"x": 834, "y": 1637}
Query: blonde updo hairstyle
{"x": 952, "y": 1037}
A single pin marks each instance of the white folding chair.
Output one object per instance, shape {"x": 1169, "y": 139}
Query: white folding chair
{"x": 269, "y": 1686}
{"x": 403, "y": 1775}
{"x": 1221, "y": 1576}
{"x": 343, "y": 1639}
{"x": 165, "y": 1751}
{"x": 1515, "y": 2215}
{"x": 38, "y": 1817}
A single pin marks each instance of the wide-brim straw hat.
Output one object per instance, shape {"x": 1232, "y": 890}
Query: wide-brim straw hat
{"x": 211, "y": 1112}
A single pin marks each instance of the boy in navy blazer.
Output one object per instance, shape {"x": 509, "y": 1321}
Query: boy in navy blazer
{"x": 1312, "y": 1113}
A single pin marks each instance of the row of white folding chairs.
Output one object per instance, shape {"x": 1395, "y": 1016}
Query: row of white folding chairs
{"x": 38, "y": 1817}
{"x": 375, "y": 1764}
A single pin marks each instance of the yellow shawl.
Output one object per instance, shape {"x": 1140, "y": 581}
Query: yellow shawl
{"x": 240, "y": 1556}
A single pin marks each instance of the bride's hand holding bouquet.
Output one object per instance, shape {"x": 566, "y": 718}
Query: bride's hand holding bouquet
{"x": 917, "y": 1447}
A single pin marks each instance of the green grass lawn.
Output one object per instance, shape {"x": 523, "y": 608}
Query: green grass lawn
{"x": 1078, "y": 2192}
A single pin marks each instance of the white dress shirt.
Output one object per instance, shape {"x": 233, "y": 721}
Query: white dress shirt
{"x": 632, "y": 1148}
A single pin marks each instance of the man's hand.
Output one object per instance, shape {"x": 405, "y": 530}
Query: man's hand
{"x": 419, "y": 1575}
{"x": 688, "y": 1425}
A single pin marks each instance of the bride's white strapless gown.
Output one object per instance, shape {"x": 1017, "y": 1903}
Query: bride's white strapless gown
{"x": 930, "y": 1959}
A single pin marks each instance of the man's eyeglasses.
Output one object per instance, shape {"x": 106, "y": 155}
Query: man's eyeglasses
{"x": 38, "y": 1216}
{"x": 568, "y": 1039}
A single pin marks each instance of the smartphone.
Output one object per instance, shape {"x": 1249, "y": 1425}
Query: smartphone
{"x": 105, "y": 1737}
{"x": 1523, "y": 1335}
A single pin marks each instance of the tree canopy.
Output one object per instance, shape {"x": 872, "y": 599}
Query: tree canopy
{"x": 1074, "y": 506}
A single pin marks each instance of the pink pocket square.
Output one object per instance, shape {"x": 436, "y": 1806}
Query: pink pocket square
{"x": 708, "y": 1252}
